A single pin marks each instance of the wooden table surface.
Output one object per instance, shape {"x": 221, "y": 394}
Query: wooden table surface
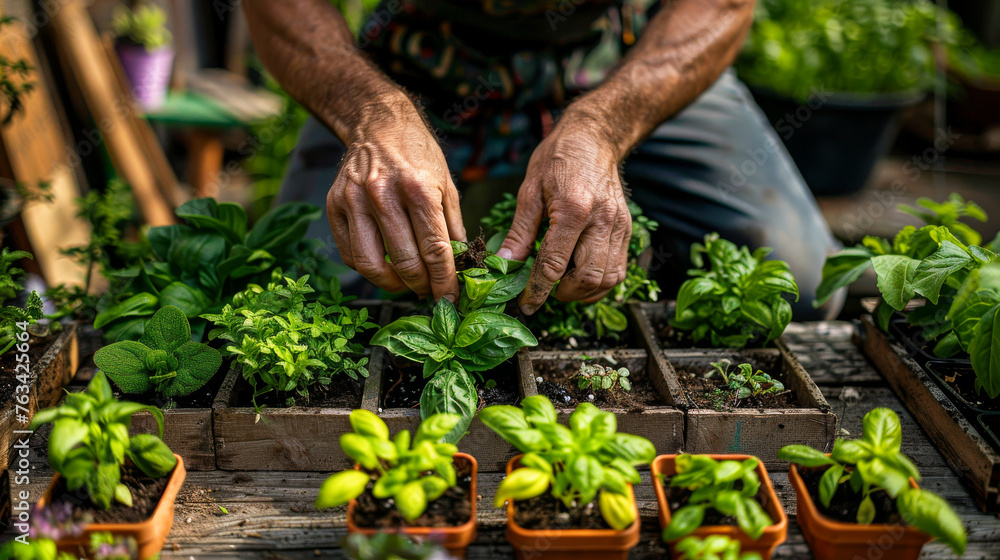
{"x": 271, "y": 514}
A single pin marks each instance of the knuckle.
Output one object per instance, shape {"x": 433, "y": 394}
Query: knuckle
{"x": 436, "y": 251}
{"x": 570, "y": 211}
{"x": 409, "y": 269}
{"x": 550, "y": 269}
{"x": 590, "y": 279}
{"x": 353, "y": 198}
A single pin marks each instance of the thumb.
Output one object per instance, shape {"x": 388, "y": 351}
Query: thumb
{"x": 527, "y": 217}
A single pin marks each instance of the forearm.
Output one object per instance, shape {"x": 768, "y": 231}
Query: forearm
{"x": 682, "y": 51}
{"x": 307, "y": 46}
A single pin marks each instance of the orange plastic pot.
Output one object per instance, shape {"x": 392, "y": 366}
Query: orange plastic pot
{"x": 765, "y": 545}
{"x": 149, "y": 535}
{"x": 455, "y": 539}
{"x": 833, "y": 540}
{"x": 570, "y": 544}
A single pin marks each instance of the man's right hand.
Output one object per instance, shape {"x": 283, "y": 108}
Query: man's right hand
{"x": 394, "y": 195}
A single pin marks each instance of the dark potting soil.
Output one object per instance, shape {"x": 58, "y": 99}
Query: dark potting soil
{"x": 474, "y": 257}
{"x": 8, "y": 361}
{"x": 342, "y": 392}
{"x": 146, "y": 493}
{"x": 563, "y": 390}
{"x": 404, "y": 383}
{"x": 201, "y": 398}
{"x": 845, "y": 503}
{"x": 546, "y": 512}
{"x": 452, "y": 509}
{"x": 678, "y": 497}
{"x": 714, "y": 394}
{"x": 672, "y": 338}
{"x": 549, "y": 343}
{"x": 962, "y": 380}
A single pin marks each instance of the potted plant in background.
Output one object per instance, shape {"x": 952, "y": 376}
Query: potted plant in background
{"x": 126, "y": 484}
{"x": 419, "y": 485}
{"x": 391, "y": 546}
{"x": 729, "y": 495}
{"x": 834, "y": 77}
{"x": 571, "y": 490}
{"x": 144, "y": 47}
{"x": 865, "y": 491}
{"x": 713, "y": 547}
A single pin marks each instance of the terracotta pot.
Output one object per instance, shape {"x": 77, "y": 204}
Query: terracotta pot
{"x": 149, "y": 535}
{"x": 570, "y": 544}
{"x": 833, "y": 540}
{"x": 455, "y": 539}
{"x": 765, "y": 545}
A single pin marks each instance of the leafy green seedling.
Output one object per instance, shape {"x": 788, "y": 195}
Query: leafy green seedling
{"x": 165, "y": 359}
{"x": 746, "y": 382}
{"x": 729, "y": 487}
{"x": 875, "y": 463}
{"x": 12, "y": 317}
{"x": 602, "y": 378}
{"x": 411, "y": 472}
{"x": 588, "y": 460}
{"x": 145, "y": 26}
{"x": 738, "y": 300}
{"x": 90, "y": 442}
{"x": 713, "y": 547}
{"x": 392, "y": 546}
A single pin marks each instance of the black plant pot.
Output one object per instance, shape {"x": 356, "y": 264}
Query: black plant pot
{"x": 836, "y": 138}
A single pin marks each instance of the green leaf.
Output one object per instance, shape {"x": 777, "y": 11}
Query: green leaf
{"x": 124, "y": 362}
{"x": 226, "y": 218}
{"x": 509, "y": 422}
{"x": 967, "y": 317}
{"x": 511, "y": 285}
{"x": 433, "y": 487}
{"x": 683, "y": 522}
{"x": 454, "y": 392}
{"x": 803, "y": 455}
{"x": 538, "y": 410}
{"x": 630, "y": 448}
{"x": 151, "y": 455}
{"x": 359, "y": 448}
{"x": 66, "y": 434}
{"x": 617, "y": 510}
{"x": 828, "y": 484}
{"x": 934, "y": 516}
{"x": 445, "y": 321}
{"x": 877, "y": 472}
{"x": 137, "y": 305}
{"x": 123, "y": 495}
{"x": 866, "y": 511}
{"x": 895, "y": 278}
{"x": 521, "y": 484}
{"x": 881, "y": 429}
{"x": 161, "y": 237}
{"x": 436, "y": 426}
{"x": 167, "y": 330}
{"x": 411, "y": 500}
{"x": 984, "y": 351}
{"x": 198, "y": 364}
{"x": 366, "y": 423}
{"x": 935, "y": 269}
{"x": 841, "y": 270}
{"x": 283, "y": 226}
{"x": 341, "y": 488}
{"x": 691, "y": 291}
{"x": 192, "y": 302}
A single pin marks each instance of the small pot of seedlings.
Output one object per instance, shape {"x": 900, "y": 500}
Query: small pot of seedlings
{"x": 167, "y": 369}
{"x": 712, "y": 547}
{"x": 419, "y": 485}
{"x": 570, "y": 493}
{"x": 576, "y": 326}
{"x": 866, "y": 492}
{"x": 382, "y": 546}
{"x": 298, "y": 370}
{"x": 459, "y": 357}
{"x": 728, "y": 495}
{"x": 616, "y": 381}
{"x": 126, "y": 485}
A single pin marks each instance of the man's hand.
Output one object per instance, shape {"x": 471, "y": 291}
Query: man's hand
{"x": 394, "y": 195}
{"x": 573, "y": 179}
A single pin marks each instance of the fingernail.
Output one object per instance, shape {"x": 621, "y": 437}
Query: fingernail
{"x": 527, "y": 309}
{"x": 451, "y": 298}
{"x": 505, "y": 253}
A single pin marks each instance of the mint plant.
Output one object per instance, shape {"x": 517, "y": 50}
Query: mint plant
{"x": 745, "y": 382}
{"x": 412, "y": 471}
{"x": 602, "y": 378}
{"x": 588, "y": 460}
{"x": 875, "y": 463}
{"x": 145, "y": 26}
{"x": 713, "y": 547}
{"x": 14, "y": 319}
{"x": 164, "y": 360}
{"x": 738, "y": 300}
{"x": 90, "y": 442}
{"x": 729, "y": 487}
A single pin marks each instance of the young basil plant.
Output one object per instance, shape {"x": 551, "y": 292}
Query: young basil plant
{"x": 90, "y": 442}
{"x": 165, "y": 359}
{"x": 588, "y": 460}
{"x": 713, "y": 547}
{"x": 602, "y": 378}
{"x": 746, "y": 382}
{"x": 411, "y": 472}
{"x": 713, "y": 484}
{"x": 738, "y": 300}
{"x": 286, "y": 344}
{"x": 875, "y": 463}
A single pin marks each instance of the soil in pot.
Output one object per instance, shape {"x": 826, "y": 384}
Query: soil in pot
{"x": 845, "y": 503}
{"x": 37, "y": 345}
{"x": 674, "y": 339}
{"x": 913, "y": 339}
{"x": 962, "y": 380}
{"x": 342, "y": 392}
{"x": 558, "y": 384}
{"x": 713, "y": 393}
{"x": 678, "y": 497}
{"x": 452, "y": 509}
{"x": 547, "y": 512}
{"x": 548, "y": 343}
{"x": 404, "y": 383}
{"x": 146, "y": 494}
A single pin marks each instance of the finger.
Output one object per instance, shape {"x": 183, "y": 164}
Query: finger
{"x": 432, "y": 232}
{"x": 338, "y": 227}
{"x": 369, "y": 253}
{"x": 527, "y": 217}
{"x": 453, "y": 213}
{"x": 567, "y": 220}
{"x": 397, "y": 232}
{"x": 614, "y": 273}
{"x": 590, "y": 259}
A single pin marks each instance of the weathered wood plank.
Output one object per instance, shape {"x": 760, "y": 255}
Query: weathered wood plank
{"x": 187, "y": 431}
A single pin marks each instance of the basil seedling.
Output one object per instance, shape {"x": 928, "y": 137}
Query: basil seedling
{"x": 411, "y": 472}
{"x": 588, "y": 460}
{"x": 729, "y": 487}
{"x": 746, "y": 382}
{"x": 714, "y": 547}
{"x": 873, "y": 464}
{"x": 90, "y": 441}
{"x": 602, "y": 378}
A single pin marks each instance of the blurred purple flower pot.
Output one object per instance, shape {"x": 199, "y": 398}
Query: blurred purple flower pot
{"x": 148, "y": 72}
